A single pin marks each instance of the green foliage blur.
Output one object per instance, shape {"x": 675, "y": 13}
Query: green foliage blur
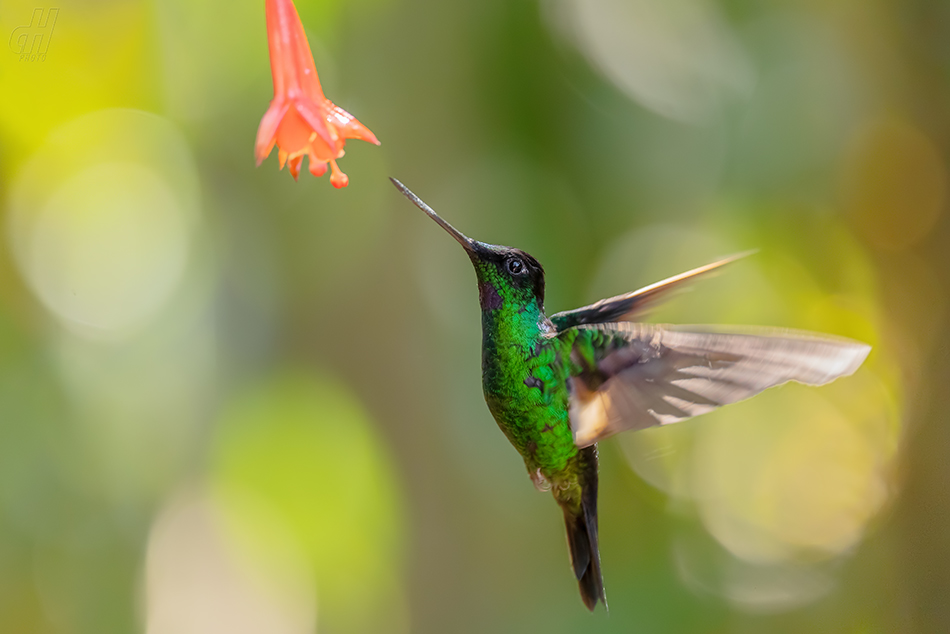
{"x": 230, "y": 402}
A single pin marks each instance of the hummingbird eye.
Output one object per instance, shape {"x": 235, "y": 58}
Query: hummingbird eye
{"x": 515, "y": 266}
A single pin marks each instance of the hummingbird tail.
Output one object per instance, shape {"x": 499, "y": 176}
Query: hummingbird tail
{"x": 581, "y": 523}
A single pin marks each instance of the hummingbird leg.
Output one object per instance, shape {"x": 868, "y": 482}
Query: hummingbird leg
{"x": 540, "y": 482}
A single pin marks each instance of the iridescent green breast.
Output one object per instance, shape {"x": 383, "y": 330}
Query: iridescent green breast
{"x": 524, "y": 377}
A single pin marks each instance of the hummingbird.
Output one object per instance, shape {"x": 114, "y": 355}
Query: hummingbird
{"x": 557, "y": 385}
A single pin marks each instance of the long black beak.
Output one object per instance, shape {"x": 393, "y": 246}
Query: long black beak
{"x": 467, "y": 243}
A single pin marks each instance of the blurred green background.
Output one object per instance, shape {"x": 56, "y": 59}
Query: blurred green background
{"x": 234, "y": 403}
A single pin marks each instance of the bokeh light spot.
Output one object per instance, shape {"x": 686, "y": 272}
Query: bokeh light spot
{"x": 894, "y": 184}
{"x": 679, "y": 59}
{"x": 787, "y": 476}
{"x": 196, "y": 582}
{"x": 102, "y": 220}
{"x": 108, "y": 248}
{"x": 303, "y": 447}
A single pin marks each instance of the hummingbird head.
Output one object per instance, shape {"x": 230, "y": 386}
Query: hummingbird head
{"x": 505, "y": 274}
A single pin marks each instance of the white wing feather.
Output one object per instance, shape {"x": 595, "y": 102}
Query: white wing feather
{"x": 670, "y": 373}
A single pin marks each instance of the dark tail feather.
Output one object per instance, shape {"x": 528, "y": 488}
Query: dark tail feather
{"x": 581, "y": 526}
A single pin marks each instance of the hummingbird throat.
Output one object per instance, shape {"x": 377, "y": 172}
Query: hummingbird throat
{"x": 488, "y": 296}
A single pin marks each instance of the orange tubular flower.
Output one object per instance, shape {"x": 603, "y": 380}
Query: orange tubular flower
{"x": 301, "y": 120}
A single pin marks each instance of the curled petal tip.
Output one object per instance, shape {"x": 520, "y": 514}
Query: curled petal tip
{"x": 366, "y": 135}
{"x": 350, "y": 126}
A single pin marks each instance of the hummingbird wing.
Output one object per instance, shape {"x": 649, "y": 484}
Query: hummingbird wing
{"x": 626, "y": 307}
{"x": 635, "y": 375}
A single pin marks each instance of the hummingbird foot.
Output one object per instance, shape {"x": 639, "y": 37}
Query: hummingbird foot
{"x": 540, "y": 482}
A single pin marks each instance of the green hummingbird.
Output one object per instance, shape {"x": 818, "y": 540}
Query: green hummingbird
{"x": 557, "y": 385}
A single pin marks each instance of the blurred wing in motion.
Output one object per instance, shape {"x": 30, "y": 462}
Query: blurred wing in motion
{"x": 626, "y": 307}
{"x": 647, "y": 374}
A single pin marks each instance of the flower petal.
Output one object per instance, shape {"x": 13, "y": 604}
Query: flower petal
{"x": 317, "y": 120}
{"x": 323, "y": 152}
{"x": 307, "y": 71}
{"x": 290, "y": 58}
{"x": 267, "y": 130}
{"x": 294, "y": 165}
{"x": 294, "y": 135}
{"x": 349, "y": 126}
